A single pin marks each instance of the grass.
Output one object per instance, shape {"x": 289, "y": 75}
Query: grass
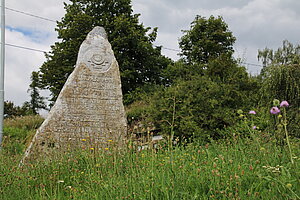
{"x": 227, "y": 169}
{"x": 18, "y": 132}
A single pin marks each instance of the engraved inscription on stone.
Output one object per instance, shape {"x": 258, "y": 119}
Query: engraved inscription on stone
{"x": 89, "y": 107}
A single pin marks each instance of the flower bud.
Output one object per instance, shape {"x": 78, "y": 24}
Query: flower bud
{"x": 276, "y": 102}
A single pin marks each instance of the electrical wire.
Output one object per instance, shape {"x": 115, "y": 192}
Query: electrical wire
{"x": 51, "y": 20}
{"x": 27, "y": 48}
{"x": 29, "y": 14}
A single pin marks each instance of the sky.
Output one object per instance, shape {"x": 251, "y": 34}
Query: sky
{"x": 256, "y": 24}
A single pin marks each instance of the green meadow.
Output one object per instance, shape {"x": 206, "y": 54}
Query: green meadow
{"x": 234, "y": 168}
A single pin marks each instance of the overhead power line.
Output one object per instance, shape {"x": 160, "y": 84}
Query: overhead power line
{"x": 29, "y": 14}
{"x": 51, "y": 20}
{"x": 252, "y": 64}
{"x": 42, "y": 51}
{"x": 27, "y": 48}
{"x": 170, "y": 49}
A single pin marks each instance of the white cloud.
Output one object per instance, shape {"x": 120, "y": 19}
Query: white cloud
{"x": 27, "y": 31}
{"x": 255, "y": 23}
{"x": 19, "y": 65}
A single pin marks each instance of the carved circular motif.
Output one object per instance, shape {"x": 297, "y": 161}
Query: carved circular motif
{"x": 97, "y": 59}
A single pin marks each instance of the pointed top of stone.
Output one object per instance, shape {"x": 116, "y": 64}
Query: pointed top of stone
{"x": 96, "y": 32}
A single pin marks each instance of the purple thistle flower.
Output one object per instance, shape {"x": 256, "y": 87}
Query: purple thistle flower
{"x": 252, "y": 112}
{"x": 274, "y": 110}
{"x": 284, "y": 104}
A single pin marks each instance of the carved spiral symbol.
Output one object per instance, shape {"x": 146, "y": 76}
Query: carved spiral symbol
{"x": 97, "y": 59}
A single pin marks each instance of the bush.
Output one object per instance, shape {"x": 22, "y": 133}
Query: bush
{"x": 195, "y": 108}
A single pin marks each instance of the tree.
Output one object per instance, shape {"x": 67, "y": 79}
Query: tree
{"x": 207, "y": 39}
{"x": 281, "y": 80}
{"x": 12, "y": 110}
{"x": 36, "y": 102}
{"x": 205, "y": 87}
{"x": 281, "y": 72}
{"x": 285, "y": 55}
{"x": 139, "y": 61}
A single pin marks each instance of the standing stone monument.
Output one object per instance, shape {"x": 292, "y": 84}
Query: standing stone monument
{"x": 89, "y": 110}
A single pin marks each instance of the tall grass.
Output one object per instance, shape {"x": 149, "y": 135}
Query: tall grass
{"x": 233, "y": 169}
{"x": 18, "y": 133}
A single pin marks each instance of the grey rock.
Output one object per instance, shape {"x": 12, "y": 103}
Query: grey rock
{"x": 89, "y": 111}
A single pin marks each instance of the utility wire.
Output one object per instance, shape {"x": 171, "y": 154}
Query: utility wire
{"x": 27, "y": 48}
{"x": 38, "y": 50}
{"x": 29, "y": 14}
{"x": 252, "y": 64}
{"x": 170, "y": 49}
{"x": 51, "y": 20}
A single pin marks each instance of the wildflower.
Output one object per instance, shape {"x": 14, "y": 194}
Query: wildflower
{"x": 83, "y": 140}
{"x": 109, "y": 140}
{"x": 254, "y": 127}
{"x": 252, "y": 112}
{"x": 284, "y": 104}
{"x": 92, "y": 148}
{"x": 274, "y": 110}
{"x": 106, "y": 149}
{"x": 288, "y": 185}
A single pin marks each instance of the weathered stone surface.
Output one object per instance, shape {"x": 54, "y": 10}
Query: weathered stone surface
{"x": 89, "y": 109}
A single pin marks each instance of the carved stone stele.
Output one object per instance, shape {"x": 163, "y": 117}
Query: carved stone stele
{"x": 89, "y": 111}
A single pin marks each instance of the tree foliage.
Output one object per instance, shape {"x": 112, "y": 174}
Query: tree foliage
{"x": 207, "y": 39}
{"x": 281, "y": 79}
{"x": 285, "y": 55}
{"x": 139, "y": 61}
{"x": 204, "y": 89}
{"x": 199, "y": 106}
{"x": 281, "y": 73}
{"x": 12, "y": 110}
{"x": 36, "y": 102}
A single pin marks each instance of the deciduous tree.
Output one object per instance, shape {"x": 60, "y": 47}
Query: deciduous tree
{"x": 139, "y": 61}
{"x": 207, "y": 39}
